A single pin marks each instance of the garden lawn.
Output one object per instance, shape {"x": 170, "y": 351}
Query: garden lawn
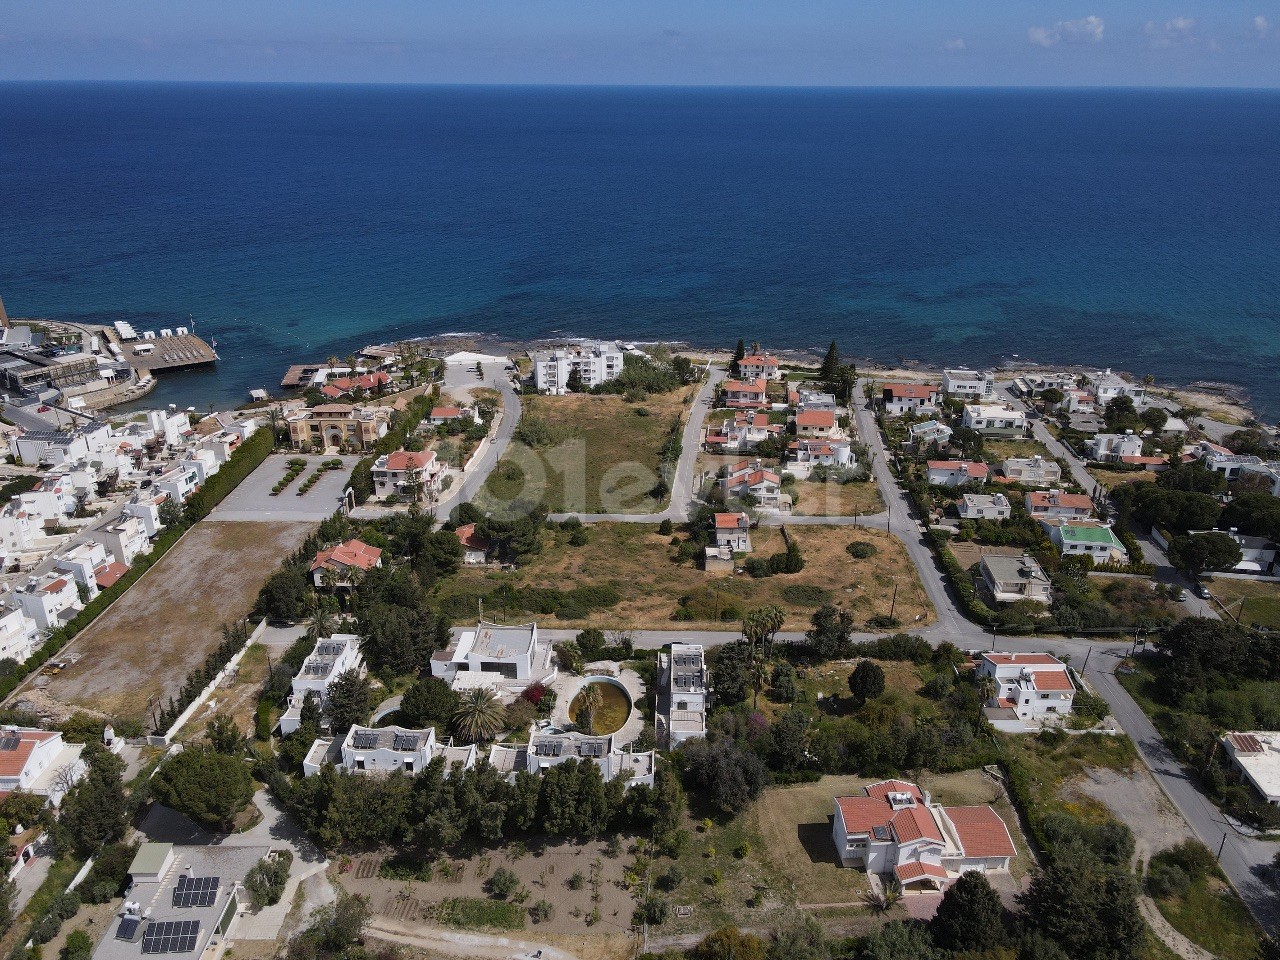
{"x": 1001, "y": 449}
{"x": 608, "y": 461}
{"x": 639, "y": 563}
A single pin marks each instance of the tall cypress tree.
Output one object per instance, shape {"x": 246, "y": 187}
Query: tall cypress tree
{"x": 830, "y": 371}
{"x": 740, "y": 351}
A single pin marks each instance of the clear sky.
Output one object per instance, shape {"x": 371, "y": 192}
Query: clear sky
{"x": 766, "y": 42}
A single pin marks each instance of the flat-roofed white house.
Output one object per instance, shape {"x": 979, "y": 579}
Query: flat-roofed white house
{"x": 39, "y": 762}
{"x": 1011, "y": 579}
{"x": 894, "y": 828}
{"x": 979, "y": 506}
{"x": 18, "y": 635}
{"x": 684, "y": 697}
{"x": 930, "y": 431}
{"x": 376, "y": 750}
{"x": 594, "y": 362}
{"x": 957, "y": 473}
{"x": 1034, "y": 685}
{"x": 969, "y": 384}
{"x": 995, "y": 419}
{"x": 50, "y": 600}
{"x": 125, "y": 539}
{"x": 1255, "y": 755}
{"x": 1032, "y": 471}
{"x": 550, "y": 748}
{"x": 332, "y": 657}
{"x": 500, "y": 657}
{"x": 1106, "y": 386}
{"x": 1114, "y": 446}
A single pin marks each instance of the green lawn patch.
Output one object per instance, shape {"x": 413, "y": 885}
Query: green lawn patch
{"x": 473, "y": 913}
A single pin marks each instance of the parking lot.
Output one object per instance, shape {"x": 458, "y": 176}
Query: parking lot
{"x": 252, "y": 500}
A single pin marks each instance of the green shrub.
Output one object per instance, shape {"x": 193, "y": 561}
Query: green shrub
{"x": 503, "y": 883}
{"x": 542, "y": 911}
{"x": 1165, "y": 880}
{"x": 805, "y": 594}
{"x": 861, "y": 550}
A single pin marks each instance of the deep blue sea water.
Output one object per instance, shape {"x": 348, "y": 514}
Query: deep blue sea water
{"x": 1137, "y": 229}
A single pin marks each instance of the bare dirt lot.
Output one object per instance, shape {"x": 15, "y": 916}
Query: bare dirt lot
{"x": 144, "y": 646}
{"x": 1134, "y": 798}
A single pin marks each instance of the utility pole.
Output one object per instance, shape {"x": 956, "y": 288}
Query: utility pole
{"x": 893, "y": 604}
{"x": 1218, "y": 856}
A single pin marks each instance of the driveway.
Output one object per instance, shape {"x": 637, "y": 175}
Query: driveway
{"x": 252, "y": 500}
{"x": 461, "y": 379}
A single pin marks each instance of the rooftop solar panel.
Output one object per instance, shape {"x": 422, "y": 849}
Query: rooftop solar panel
{"x": 366, "y": 740}
{"x": 171, "y": 936}
{"x": 128, "y": 927}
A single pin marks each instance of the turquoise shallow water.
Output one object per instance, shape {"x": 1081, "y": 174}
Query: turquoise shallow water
{"x": 1139, "y": 229}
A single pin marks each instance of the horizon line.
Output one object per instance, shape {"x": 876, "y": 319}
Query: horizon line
{"x": 569, "y": 85}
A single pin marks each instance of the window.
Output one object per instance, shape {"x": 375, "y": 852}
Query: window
{"x": 359, "y": 763}
{"x": 682, "y": 705}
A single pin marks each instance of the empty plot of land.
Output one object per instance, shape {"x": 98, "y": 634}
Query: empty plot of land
{"x": 252, "y": 501}
{"x": 1255, "y": 602}
{"x": 164, "y": 626}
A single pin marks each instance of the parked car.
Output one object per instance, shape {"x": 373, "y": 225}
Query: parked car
{"x": 1204, "y": 593}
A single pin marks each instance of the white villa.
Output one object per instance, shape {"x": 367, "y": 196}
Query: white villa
{"x": 407, "y": 474}
{"x": 894, "y": 828}
{"x": 995, "y": 419}
{"x": 930, "y": 431}
{"x": 1056, "y": 505}
{"x": 759, "y": 365}
{"x": 956, "y": 473}
{"x": 1086, "y": 538}
{"x": 1114, "y": 446}
{"x": 331, "y": 658}
{"x": 1106, "y": 386}
{"x": 684, "y": 699}
{"x": 969, "y": 384}
{"x": 980, "y": 506}
{"x": 900, "y": 398}
{"x": 1036, "y": 686}
{"x": 1032, "y": 471}
{"x": 39, "y": 762}
{"x": 1011, "y": 579}
{"x": 503, "y": 658}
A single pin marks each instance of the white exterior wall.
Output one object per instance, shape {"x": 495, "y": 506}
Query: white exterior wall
{"x": 18, "y": 634}
{"x": 969, "y": 384}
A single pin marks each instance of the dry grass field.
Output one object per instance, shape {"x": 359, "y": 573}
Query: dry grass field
{"x": 639, "y": 563}
{"x": 1249, "y": 601}
{"x": 144, "y": 645}
{"x": 816, "y": 499}
{"x": 1115, "y": 478}
{"x": 607, "y": 462}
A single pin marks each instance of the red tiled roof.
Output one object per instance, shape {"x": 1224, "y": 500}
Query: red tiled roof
{"x": 55, "y": 585}
{"x": 915, "y": 870}
{"x": 981, "y": 832}
{"x": 107, "y": 574}
{"x": 729, "y": 521}
{"x": 1043, "y": 500}
{"x": 1245, "y": 742}
{"x": 331, "y": 391}
{"x": 353, "y": 553}
{"x": 882, "y": 789}
{"x": 1015, "y": 659}
{"x": 739, "y": 386}
{"x": 445, "y": 413}
{"x": 1052, "y": 680}
{"x": 12, "y": 762}
{"x": 910, "y": 391}
{"x": 815, "y": 418}
{"x": 915, "y": 823}
{"x": 408, "y": 460}
{"x": 863, "y": 814}
{"x": 759, "y": 360}
{"x": 466, "y": 534}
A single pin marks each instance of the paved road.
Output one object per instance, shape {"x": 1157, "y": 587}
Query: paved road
{"x": 495, "y": 376}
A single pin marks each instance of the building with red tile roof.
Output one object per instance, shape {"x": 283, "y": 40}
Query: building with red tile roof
{"x": 407, "y": 474}
{"x": 893, "y": 827}
{"x": 475, "y": 547}
{"x": 1037, "y": 687}
{"x": 345, "y": 562}
{"x": 759, "y": 365}
{"x": 32, "y": 760}
{"x": 745, "y": 394}
{"x": 900, "y": 398}
{"x": 816, "y": 424}
{"x": 1056, "y": 505}
{"x": 957, "y": 473}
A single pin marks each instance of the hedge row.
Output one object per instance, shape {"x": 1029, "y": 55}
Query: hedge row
{"x": 247, "y": 457}
{"x": 962, "y": 583}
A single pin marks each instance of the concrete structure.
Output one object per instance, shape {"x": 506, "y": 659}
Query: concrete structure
{"x": 1106, "y": 386}
{"x": 1032, "y": 471}
{"x": 742, "y": 433}
{"x": 407, "y": 474}
{"x": 1056, "y": 505}
{"x": 930, "y": 431}
{"x": 1257, "y": 554}
{"x": 901, "y": 398}
{"x": 895, "y": 829}
{"x": 342, "y": 565}
{"x": 39, "y": 762}
{"x": 956, "y": 473}
{"x": 125, "y": 539}
{"x": 1011, "y": 579}
{"x": 179, "y": 481}
{"x": 503, "y": 658}
{"x": 1036, "y": 686}
{"x": 337, "y": 426}
{"x": 969, "y": 385}
{"x": 1086, "y": 538}
{"x": 595, "y": 363}
{"x": 995, "y": 419}
{"x": 83, "y": 562}
{"x": 182, "y": 900}
{"x": 808, "y": 454}
{"x": 1255, "y": 755}
{"x": 684, "y": 697}
{"x": 733, "y": 531}
{"x": 978, "y": 506}
{"x": 332, "y": 657}
{"x": 805, "y": 399}
{"x": 18, "y": 635}
{"x": 549, "y": 748}
{"x": 1111, "y": 447}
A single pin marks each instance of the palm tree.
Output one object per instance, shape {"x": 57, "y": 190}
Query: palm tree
{"x": 320, "y": 622}
{"x": 479, "y": 715}
{"x": 588, "y": 706}
{"x": 760, "y": 674}
{"x": 273, "y": 417}
{"x": 772, "y": 617}
{"x": 987, "y": 688}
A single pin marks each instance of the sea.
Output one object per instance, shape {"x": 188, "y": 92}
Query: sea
{"x": 1136, "y": 229}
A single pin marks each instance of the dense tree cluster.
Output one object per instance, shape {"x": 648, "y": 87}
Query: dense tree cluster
{"x": 437, "y": 808}
{"x": 210, "y": 788}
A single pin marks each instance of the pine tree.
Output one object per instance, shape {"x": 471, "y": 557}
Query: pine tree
{"x": 740, "y": 351}
{"x": 969, "y": 916}
{"x": 830, "y": 366}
